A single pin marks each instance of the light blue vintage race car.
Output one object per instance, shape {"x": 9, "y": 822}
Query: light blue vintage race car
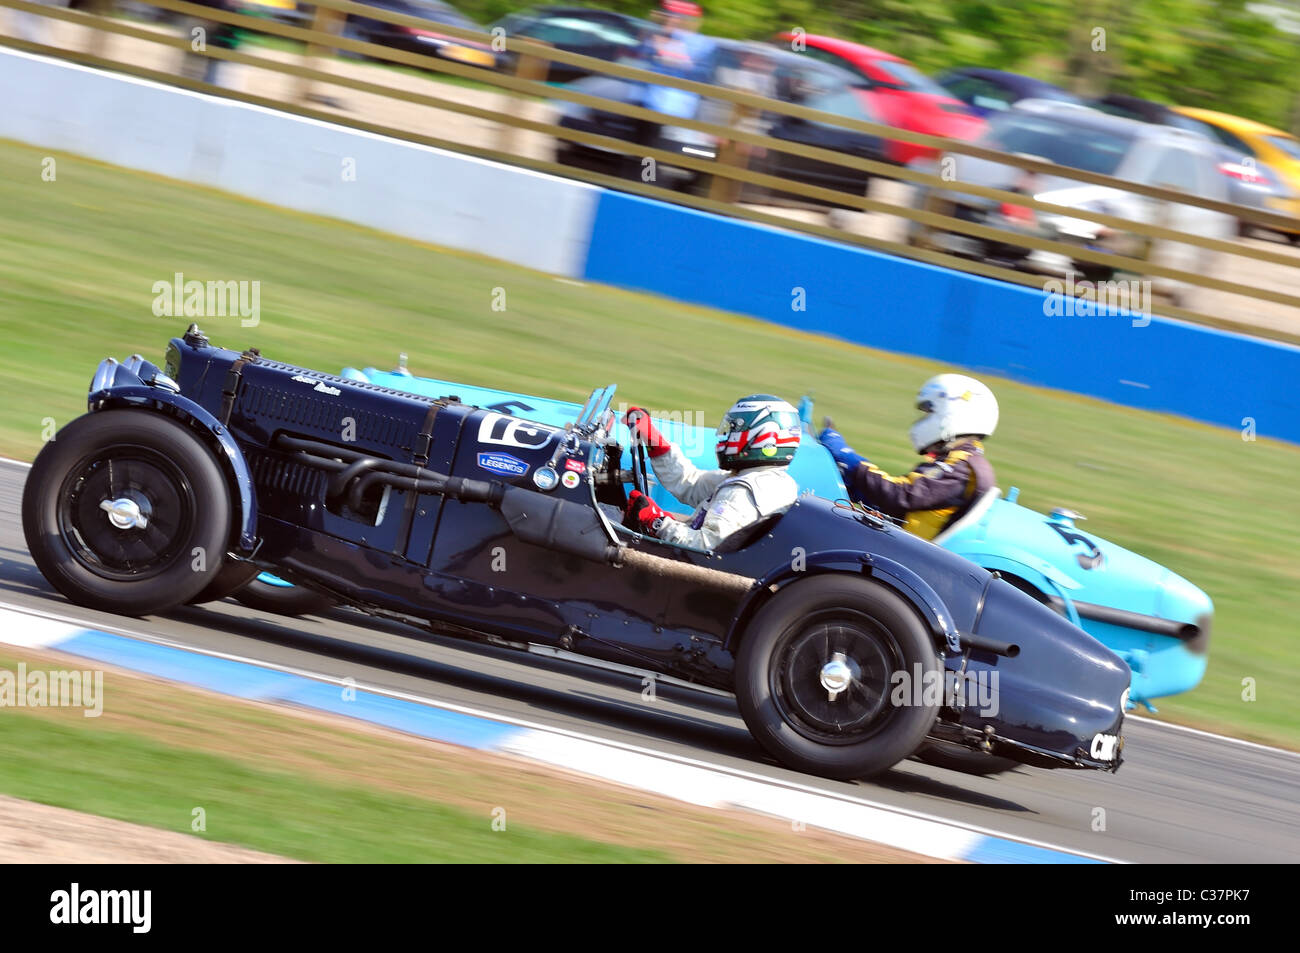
{"x": 1158, "y": 622}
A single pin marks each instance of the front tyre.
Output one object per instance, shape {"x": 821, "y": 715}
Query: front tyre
{"x": 127, "y": 511}
{"x": 817, "y": 672}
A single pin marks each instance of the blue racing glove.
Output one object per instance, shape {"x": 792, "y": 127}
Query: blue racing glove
{"x": 846, "y": 458}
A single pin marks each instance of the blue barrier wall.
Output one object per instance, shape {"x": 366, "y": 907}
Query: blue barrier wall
{"x": 900, "y": 305}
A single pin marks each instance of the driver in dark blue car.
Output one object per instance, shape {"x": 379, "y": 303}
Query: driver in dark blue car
{"x": 756, "y": 441}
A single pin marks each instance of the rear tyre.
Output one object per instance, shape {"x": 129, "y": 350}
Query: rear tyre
{"x": 233, "y": 576}
{"x": 957, "y": 758}
{"x": 126, "y": 510}
{"x": 266, "y": 593}
{"x": 816, "y": 673}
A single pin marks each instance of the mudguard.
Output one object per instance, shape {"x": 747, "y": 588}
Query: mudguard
{"x": 898, "y": 577}
{"x": 137, "y": 383}
{"x": 922, "y": 595}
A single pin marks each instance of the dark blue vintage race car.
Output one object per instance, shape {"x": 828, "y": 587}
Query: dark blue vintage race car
{"x": 847, "y": 642}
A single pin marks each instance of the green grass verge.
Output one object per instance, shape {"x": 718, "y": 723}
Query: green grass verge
{"x": 79, "y": 257}
{"x": 128, "y": 777}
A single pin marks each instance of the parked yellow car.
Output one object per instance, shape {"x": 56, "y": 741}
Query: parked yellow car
{"x": 1267, "y": 145}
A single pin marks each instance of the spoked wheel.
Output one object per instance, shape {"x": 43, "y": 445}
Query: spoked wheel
{"x": 126, "y": 510}
{"x": 127, "y": 514}
{"x": 827, "y": 677}
{"x": 269, "y": 593}
{"x": 817, "y": 673}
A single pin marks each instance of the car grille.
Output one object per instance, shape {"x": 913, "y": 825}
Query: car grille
{"x": 271, "y": 472}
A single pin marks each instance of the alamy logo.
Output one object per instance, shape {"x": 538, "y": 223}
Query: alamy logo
{"x": 52, "y": 689}
{"x": 978, "y": 689}
{"x": 73, "y": 906}
{"x": 689, "y": 430}
{"x": 1087, "y": 299}
{"x": 213, "y": 299}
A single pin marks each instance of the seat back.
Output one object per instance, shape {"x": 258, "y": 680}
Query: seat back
{"x": 750, "y": 534}
{"x": 971, "y": 516}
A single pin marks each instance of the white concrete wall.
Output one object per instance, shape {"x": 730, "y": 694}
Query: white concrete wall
{"x": 531, "y": 219}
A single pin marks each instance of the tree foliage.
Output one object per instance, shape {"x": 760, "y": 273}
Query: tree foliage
{"x": 1210, "y": 53}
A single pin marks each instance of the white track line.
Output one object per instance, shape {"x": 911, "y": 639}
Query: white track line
{"x": 569, "y": 733}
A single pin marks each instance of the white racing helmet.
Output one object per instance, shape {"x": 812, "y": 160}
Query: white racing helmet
{"x": 955, "y": 406}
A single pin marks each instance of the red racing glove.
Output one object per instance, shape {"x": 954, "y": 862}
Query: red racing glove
{"x": 645, "y": 432}
{"x": 643, "y": 514}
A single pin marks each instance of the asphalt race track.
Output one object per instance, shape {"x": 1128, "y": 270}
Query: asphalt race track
{"x": 1180, "y": 796}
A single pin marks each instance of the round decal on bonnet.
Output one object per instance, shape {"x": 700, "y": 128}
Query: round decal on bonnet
{"x": 571, "y": 479}
{"x": 545, "y": 478}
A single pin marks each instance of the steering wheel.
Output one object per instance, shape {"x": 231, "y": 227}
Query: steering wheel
{"x": 640, "y": 479}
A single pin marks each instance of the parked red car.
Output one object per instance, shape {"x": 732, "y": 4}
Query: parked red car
{"x": 899, "y": 93}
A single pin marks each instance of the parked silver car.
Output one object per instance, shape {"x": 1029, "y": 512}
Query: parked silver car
{"x": 1251, "y": 183}
{"x": 1078, "y": 137}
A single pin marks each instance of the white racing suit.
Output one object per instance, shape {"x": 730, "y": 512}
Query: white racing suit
{"x": 725, "y": 501}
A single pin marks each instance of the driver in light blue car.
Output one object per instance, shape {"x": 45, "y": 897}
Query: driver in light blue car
{"x": 757, "y": 439}
{"x": 960, "y": 412}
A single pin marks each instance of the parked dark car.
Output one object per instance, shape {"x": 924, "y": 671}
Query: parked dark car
{"x": 604, "y": 34}
{"x": 1250, "y": 182}
{"x": 422, "y": 39}
{"x": 990, "y": 91}
{"x": 184, "y": 481}
{"x": 766, "y": 70}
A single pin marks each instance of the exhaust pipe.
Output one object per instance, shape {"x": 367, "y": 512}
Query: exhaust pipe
{"x": 551, "y": 522}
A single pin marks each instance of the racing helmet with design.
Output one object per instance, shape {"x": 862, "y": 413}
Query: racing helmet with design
{"x": 758, "y": 430}
{"x": 955, "y": 406}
